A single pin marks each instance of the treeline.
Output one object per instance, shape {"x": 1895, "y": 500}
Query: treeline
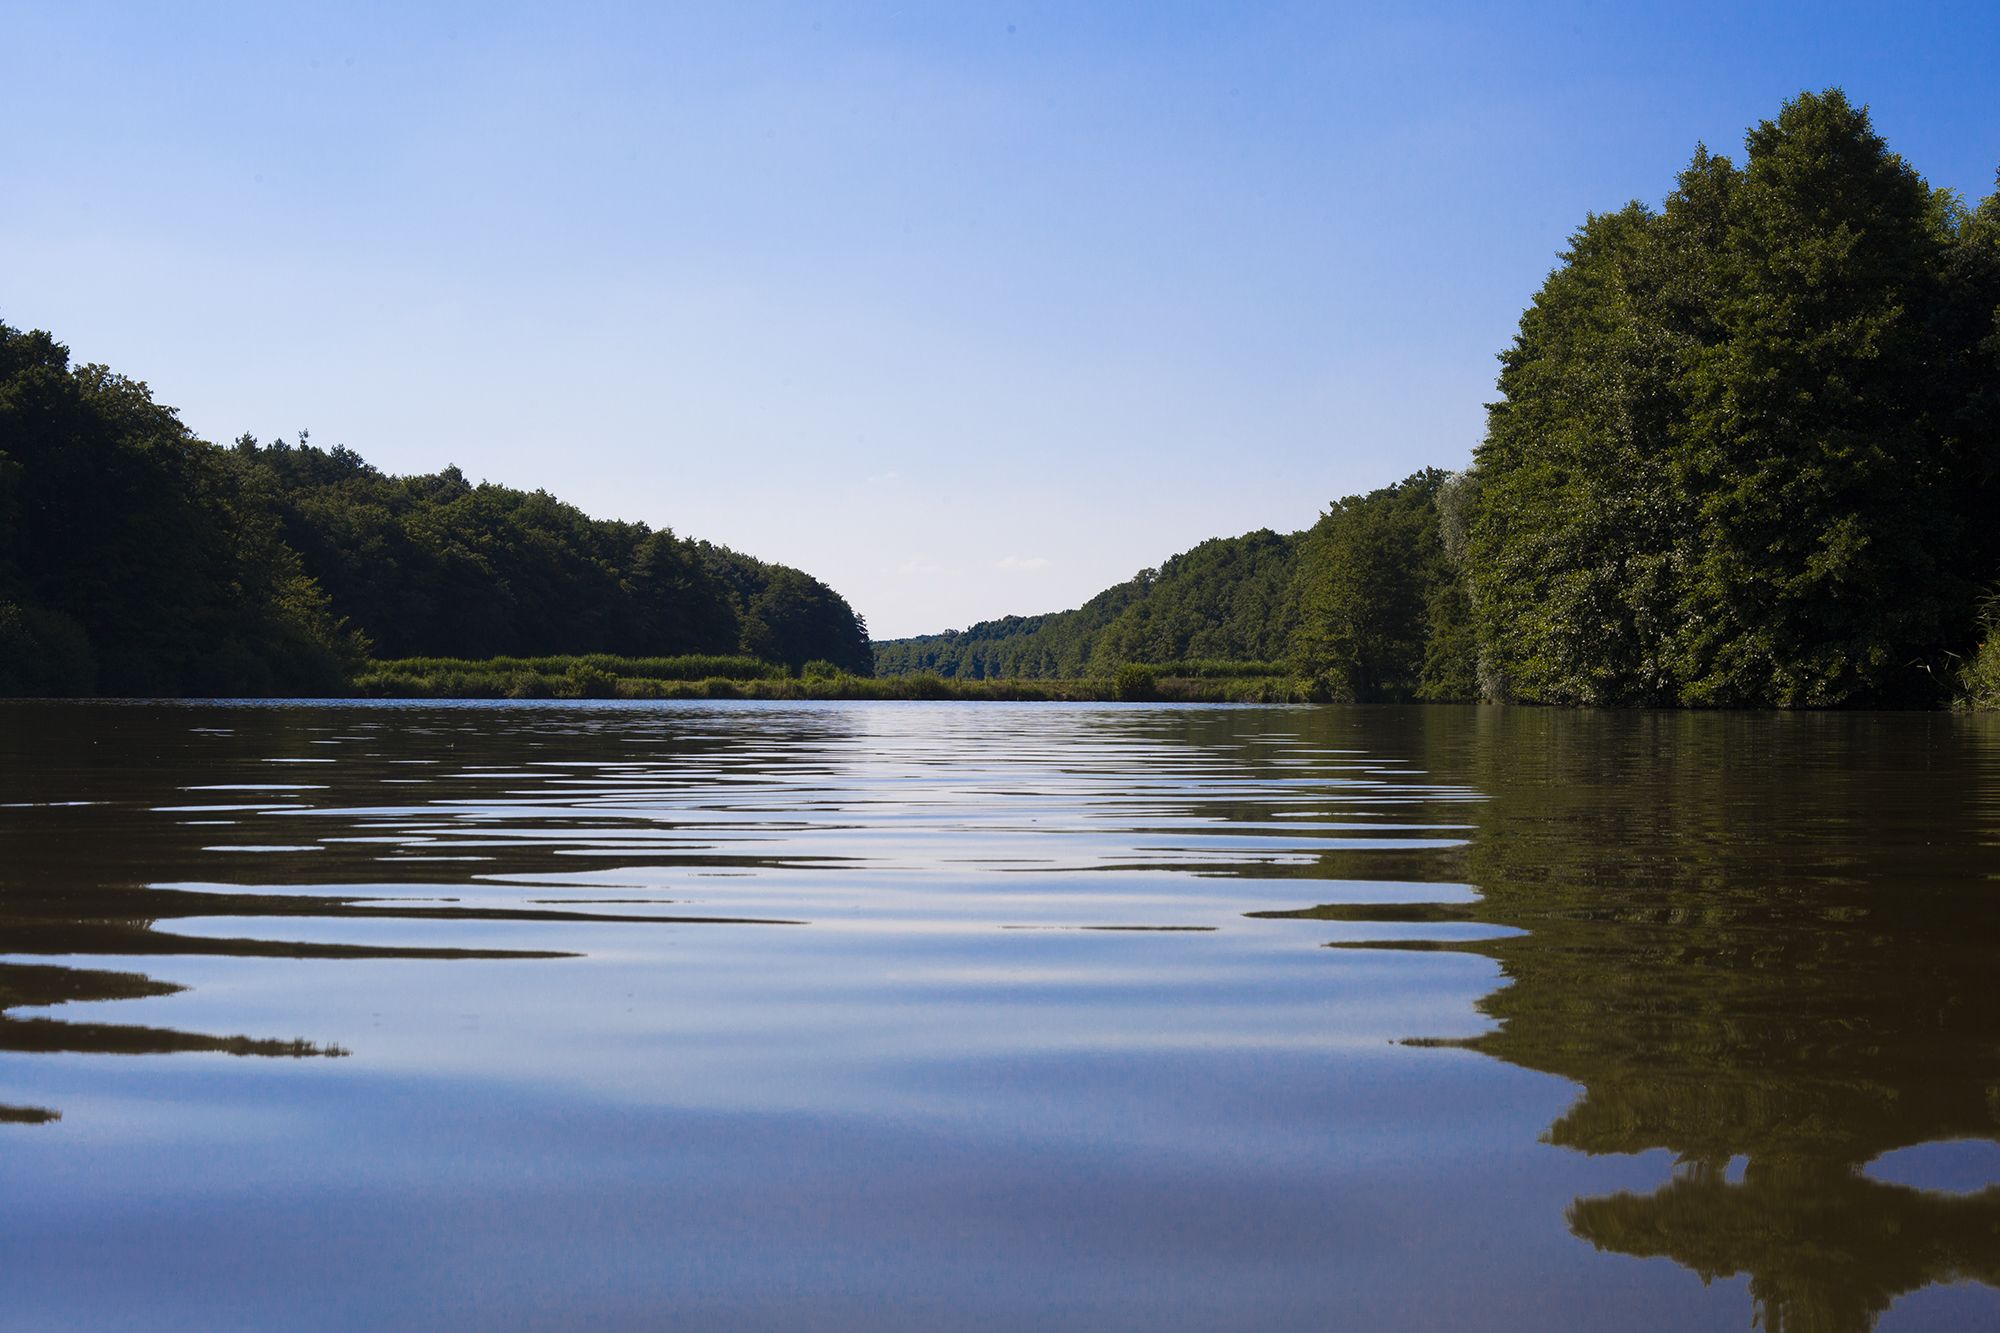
{"x": 1746, "y": 453}
{"x": 601, "y": 676}
{"x": 136, "y": 559}
{"x": 1228, "y": 600}
{"x": 434, "y": 566}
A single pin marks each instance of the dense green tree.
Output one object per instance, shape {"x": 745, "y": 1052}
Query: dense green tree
{"x": 1451, "y": 644}
{"x": 795, "y": 619}
{"x": 1226, "y": 600}
{"x": 436, "y": 566}
{"x": 1744, "y": 449}
{"x": 132, "y": 563}
{"x": 1819, "y": 450}
{"x": 683, "y": 602}
{"x": 1571, "y": 561}
{"x": 1968, "y": 331}
{"x": 137, "y": 559}
{"x": 1369, "y": 581}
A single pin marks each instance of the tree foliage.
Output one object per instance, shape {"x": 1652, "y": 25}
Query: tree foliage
{"x": 130, "y": 559}
{"x": 137, "y": 559}
{"x": 1373, "y": 590}
{"x": 1228, "y": 599}
{"x": 1745, "y": 449}
{"x": 1746, "y": 453}
{"x": 437, "y": 566}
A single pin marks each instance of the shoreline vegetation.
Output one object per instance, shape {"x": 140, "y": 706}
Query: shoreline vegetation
{"x": 1745, "y": 454}
{"x": 598, "y": 676}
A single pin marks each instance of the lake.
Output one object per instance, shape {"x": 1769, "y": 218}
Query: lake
{"x": 991, "y": 1016}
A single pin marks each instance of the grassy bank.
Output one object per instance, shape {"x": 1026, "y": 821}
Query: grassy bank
{"x": 1979, "y": 682}
{"x": 601, "y": 676}
{"x": 546, "y": 677}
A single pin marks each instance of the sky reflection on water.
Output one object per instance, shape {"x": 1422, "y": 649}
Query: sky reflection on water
{"x": 909, "y": 1015}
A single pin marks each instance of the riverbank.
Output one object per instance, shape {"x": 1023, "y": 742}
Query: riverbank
{"x": 602, "y": 676}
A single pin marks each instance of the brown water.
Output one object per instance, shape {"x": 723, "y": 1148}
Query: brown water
{"x": 995, "y": 1016}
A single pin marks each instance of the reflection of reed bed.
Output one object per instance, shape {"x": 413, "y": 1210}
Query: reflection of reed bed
{"x": 126, "y": 921}
{"x": 123, "y": 922}
{"x": 42, "y": 986}
{"x": 27, "y": 1115}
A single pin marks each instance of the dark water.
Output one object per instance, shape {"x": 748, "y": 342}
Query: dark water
{"x": 991, "y": 1016}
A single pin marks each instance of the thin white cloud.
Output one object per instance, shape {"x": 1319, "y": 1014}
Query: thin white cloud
{"x": 1022, "y": 563}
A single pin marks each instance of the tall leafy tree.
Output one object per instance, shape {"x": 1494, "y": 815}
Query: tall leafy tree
{"x": 1740, "y": 456}
{"x": 685, "y": 605}
{"x": 1818, "y": 451}
{"x": 133, "y": 563}
{"x": 1570, "y": 552}
{"x": 1368, "y": 579}
{"x": 796, "y": 619}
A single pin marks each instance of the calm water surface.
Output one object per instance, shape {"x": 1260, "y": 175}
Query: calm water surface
{"x": 991, "y": 1016}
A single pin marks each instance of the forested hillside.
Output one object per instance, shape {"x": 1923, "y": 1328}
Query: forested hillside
{"x": 436, "y": 566}
{"x": 1746, "y": 454}
{"x": 137, "y": 559}
{"x": 1228, "y": 599}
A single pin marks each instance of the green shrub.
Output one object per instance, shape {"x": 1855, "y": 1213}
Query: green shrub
{"x": 391, "y": 685}
{"x": 1979, "y": 680}
{"x": 582, "y": 678}
{"x": 529, "y": 685}
{"x": 692, "y": 667}
{"x": 1134, "y": 682}
{"x": 583, "y": 681}
{"x": 926, "y": 685}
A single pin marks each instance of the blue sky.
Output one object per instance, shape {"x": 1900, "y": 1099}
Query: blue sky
{"x": 966, "y": 308}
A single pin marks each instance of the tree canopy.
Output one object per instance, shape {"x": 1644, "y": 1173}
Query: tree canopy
{"x": 131, "y": 561}
{"x": 138, "y": 559}
{"x": 437, "y": 566}
{"x": 1745, "y": 447}
{"x": 1228, "y": 599}
{"x": 1746, "y": 453}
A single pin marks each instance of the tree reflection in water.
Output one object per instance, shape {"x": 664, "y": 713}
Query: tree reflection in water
{"x": 1755, "y": 937}
{"x": 90, "y": 924}
{"x": 96, "y": 866}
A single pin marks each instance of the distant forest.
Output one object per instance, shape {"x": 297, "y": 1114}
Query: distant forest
{"x": 1746, "y": 454}
{"x": 136, "y": 559}
{"x": 1229, "y": 599}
